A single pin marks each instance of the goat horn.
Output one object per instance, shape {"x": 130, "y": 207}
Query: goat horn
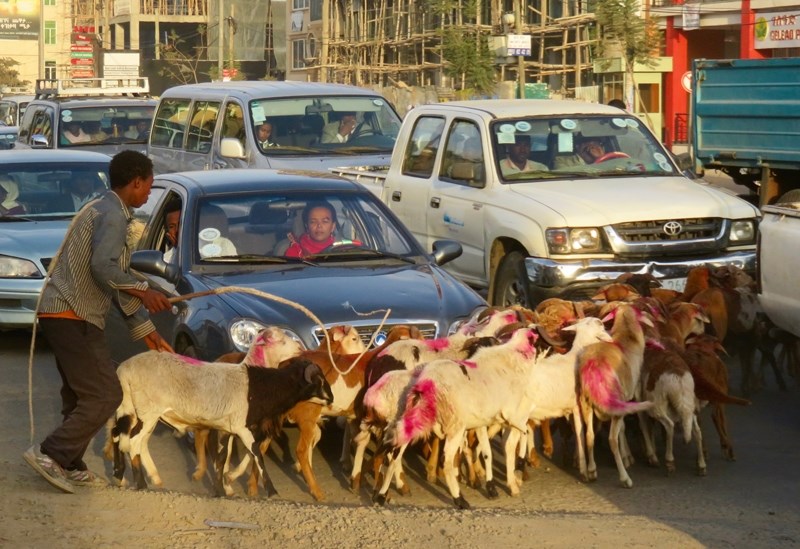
{"x": 555, "y": 343}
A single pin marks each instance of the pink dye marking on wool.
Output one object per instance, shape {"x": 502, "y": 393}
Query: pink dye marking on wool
{"x": 190, "y": 360}
{"x": 526, "y": 349}
{"x": 468, "y": 363}
{"x": 601, "y": 383}
{"x": 510, "y": 318}
{"x": 437, "y": 344}
{"x": 654, "y": 344}
{"x": 417, "y": 420}
{"x": 373, "y": 393}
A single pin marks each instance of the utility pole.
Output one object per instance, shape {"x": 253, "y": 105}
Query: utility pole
{"x": 41, "y": 38}
{"x": 519, "y": 9}
{"x": 221, "y": 32}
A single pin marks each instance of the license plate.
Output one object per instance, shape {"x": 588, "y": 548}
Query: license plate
{"x": 677, "y": 284}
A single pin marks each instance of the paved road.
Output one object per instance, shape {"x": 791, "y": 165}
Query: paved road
{"x": 753, "y": 502}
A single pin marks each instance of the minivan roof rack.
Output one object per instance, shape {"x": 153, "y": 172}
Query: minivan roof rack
{"x": 75, "y": 87}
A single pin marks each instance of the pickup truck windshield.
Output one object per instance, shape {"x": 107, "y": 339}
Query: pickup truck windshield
{"x": 310, "y": 126}
{"x": 545, "y": 148}
{"x": 87, "y": 126}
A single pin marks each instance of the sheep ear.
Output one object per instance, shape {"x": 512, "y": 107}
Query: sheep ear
{"x": 311, "y": 371}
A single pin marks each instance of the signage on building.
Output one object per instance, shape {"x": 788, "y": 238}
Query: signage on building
{"x": 19, "y": 20}
{"x": 81, "y": 48}
{"x": 777, "y": 30}
{"x": 519, "y": 44}
{"x": 691, "y": 16}
{"x": 120, "y": 64}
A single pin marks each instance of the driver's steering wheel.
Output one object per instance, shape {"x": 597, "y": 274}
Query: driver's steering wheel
{"x": 341, "y": 245}
{"x": 611, "y": 156}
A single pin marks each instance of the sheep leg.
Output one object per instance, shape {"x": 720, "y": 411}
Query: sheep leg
{"x": 140, "y": 450}
{"x": 200, "y": 445}
{"x": 649, "y": 439}
{"x": 485, "y": 449}
{"x": 432, "y": 462}
{"x": 309, "y": 431}
{"x": 547, "y": 439}
{"x": 249, "y": 442}
{"x": 720, "y": 420}
{"x": 625, "y": 450}
{"x": 252, "y": 480}
{"x": 361, "y": 440}
{"x": 391, "y": 459}
{"x": 588, "y": 420}
{"x": 580, "y": 454}
{"x": 347, "y": 441}
{"x": 617, "y": 424}
{"x": 669, "y": 458}
{"x": 533, "y": 455}
{"x": 451, "y": 446}
{"x": 701, "y": 457}
{"x": 221, "y": 458}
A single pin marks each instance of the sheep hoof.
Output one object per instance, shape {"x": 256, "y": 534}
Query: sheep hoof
{"x": 701, "y": 471}
{"x": 197, "y": 475}
{"x": 379, "y": 499}
{"x": 491, "y": 489}
{"x": 461, "y": 503}
{"x": 627, "y": 483}
{"x": 404, "y": 490}
{"x": 355, "y": 483}
{"x": 670, "y": 467}
{"x": 652, "y": 461}
{"x": 592, "y": 476}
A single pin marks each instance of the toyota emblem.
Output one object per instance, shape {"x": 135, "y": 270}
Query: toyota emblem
{"x": 672, "y": 228}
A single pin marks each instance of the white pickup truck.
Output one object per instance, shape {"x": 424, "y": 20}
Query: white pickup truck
{"x": 779, "y": 263}
{"x": 555, "y": 198}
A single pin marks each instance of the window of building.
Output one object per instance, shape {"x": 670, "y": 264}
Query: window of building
{"x": 298, "y": 54}
{"x": 49, "y": 2}
{"x": 50, "y": 32}
{"x": 316, "y": 10}
{"x": 50, "y": 70}
{"x": 300, "y": 4}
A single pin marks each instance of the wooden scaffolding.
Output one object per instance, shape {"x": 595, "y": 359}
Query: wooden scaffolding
{"x": 381, "y": 42}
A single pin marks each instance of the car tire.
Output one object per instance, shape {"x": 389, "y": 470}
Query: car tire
{"x": 189, "y": 351}
{"x": 508, "y": 289}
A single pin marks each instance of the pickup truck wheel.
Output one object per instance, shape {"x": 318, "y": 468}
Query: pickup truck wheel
{"x": 508, "y": 288}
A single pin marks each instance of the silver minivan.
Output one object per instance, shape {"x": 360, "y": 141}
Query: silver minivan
{"x": 269, "y": 124}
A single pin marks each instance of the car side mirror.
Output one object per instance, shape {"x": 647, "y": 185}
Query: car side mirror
{"x": 445, "y": 251}
{"x": 39, "y": 141}
{"x": 230, "y": 147}
{"x": 152, "y": 262}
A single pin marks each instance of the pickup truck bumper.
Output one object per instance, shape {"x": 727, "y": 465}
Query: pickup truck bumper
{"x": 579, "y": 279}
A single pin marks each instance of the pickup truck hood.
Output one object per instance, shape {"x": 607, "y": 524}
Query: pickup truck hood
{"x": 607, "y": 201}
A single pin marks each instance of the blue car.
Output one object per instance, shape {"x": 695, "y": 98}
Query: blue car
{"x": 236, "y": 228}
{"x": 31, "y": 233}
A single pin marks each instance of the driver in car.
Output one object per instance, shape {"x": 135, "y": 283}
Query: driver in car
{"x": 590, "y": 150}
{"x": 319, "y": 220}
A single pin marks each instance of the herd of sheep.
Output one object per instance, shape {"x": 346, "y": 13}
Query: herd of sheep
{"x": 634, "y": 349}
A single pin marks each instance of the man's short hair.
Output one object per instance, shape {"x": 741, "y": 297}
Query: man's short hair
{"x": 125, "y": 166}
{"x": 522, "y": 138}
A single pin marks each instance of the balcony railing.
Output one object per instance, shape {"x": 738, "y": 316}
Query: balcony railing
{"x": 173, "y": 7}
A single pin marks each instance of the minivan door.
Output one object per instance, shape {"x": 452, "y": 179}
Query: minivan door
{"x": 232, "y": 126}
{"x": 200, "y": 135}
{"x": 165, "y": 147}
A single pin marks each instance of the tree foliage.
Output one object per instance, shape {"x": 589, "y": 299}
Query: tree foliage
{"x": 183, "y": 60}
{"x": 9, "y": 76}
{"x": 620, "y": 22}
{"x": 468, "y": 59}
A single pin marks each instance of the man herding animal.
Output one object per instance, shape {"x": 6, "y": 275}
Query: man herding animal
{"x": 91, "y": 271}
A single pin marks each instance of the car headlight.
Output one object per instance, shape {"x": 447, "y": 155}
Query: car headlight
{"x": 15, "y": 267}
{"x": 743, "y": 231}
{"x": 244, "y": 331}
{"x": 455, "y": 325}
{"x": 574, "y": 241}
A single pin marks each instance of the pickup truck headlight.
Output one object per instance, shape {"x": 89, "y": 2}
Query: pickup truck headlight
{"x": 743, "y": 231}
{"x": 244, "y": 331}
{"x": 574, "y": 241}
{"x": 14, "y": 267}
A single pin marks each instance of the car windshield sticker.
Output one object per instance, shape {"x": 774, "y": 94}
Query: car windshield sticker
{"x": 505, "y": 138}
{"x": 507, "y": 128}
{"x": 564, "y": 142}
{"x": 665, "y": 166}
{"x": 377, "y": 102}
{"x": 569, "y": 124}
{"x": 209, "y": 234}
{"x": 632, "y": 123}
{"x": 258, "y": 114}
{"x": 523, "y": 126}
{"x": 66, "y": 112}
{"x": 659, "y": 157}
{"x": 618, "y": 122}
{"x": 66, "y": 117}
{"x": 210, "y": 250}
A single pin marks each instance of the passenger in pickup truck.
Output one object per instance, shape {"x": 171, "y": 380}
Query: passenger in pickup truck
{"x": 517, "y": 160}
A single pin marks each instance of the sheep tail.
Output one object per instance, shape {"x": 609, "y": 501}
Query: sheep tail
{"x": 707, "y": 390}
{"x": 419, "y": 416}
{"x": 599, "y": 382}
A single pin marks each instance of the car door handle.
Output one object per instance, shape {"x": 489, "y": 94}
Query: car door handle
{"x": 396, "y": 196}
{"x": 435, "y": 202}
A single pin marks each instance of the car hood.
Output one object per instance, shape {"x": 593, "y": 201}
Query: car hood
{"x": 606, "y": 201}
{"x": 32, "y": 239}
{"x": 342, "y": 295}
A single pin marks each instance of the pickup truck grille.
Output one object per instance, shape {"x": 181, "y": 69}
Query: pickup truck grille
{"x": 365, "y": 331}
{"x": 701, "y": 228}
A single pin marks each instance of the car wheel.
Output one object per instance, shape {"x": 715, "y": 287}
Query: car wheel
{"x": 189, "y": 351}
{"x": 508, "y": 289}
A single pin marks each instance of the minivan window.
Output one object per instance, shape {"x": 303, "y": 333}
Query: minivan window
{"x": 170, "y": 123}
{"x": 307, "y": 126}
{"x": 233, "y": 124}
{"x": 201, "y": 126}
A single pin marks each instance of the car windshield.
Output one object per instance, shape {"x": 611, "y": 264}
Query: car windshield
{"x": 87, "y": 126}
{"x": 576, "y": 147}
{"x": 7, "y": 137}
{"x": 290, "y": 227}
{"x": 47, "y": 190}
{"x": 310, "y": 126}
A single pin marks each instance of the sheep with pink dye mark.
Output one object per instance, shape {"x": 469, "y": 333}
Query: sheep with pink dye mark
{"x": 447, "y": 399}
{"x": 609, "y": 379}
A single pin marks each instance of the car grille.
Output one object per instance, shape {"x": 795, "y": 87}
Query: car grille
{"x": 365, "y": 331}
{"x": 653, "y": 231}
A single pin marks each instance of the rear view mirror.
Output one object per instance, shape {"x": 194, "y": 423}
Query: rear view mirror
{"x": 39, "y": 141}
{"x": 445, "y": 251}
{"x": 230, "y": 147}
{"x": 319, "y": 108}
{"x": 152, "y": 262}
